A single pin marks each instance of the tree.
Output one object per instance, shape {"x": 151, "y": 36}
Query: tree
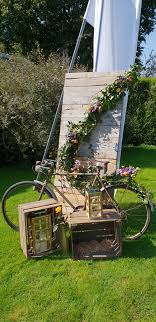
{"x": 150, "y": 65}
{"x": 53, "y": 25}
{"x": 147, "y": 22}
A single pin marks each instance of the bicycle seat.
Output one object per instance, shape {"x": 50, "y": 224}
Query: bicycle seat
{"x": 48, "y": 163}
{"x": 102, "y": 165}
{"x": 44, "y": 165}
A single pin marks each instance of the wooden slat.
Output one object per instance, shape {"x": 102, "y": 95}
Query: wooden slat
{"x": 81, "y": 217}
{"x": 48, "y": 203}
{"x": 79, "y": 95}
{"x": 72, "y": 194}
{"x": 110, "y": 119}
{"x": 93, "y": 75}
{"x": 87, "y": 82}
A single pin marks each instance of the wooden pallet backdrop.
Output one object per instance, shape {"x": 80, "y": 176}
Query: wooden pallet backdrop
{"x": 105, "y": 141}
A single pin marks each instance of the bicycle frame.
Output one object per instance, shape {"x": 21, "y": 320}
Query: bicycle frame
{"x": 48, "y": 180}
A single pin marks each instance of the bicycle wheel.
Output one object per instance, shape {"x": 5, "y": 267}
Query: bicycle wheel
{"x": 21, "y": 193}
{"x": 130, "y": 204}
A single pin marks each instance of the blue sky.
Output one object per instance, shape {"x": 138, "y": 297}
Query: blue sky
{"x": 149, "y": 45}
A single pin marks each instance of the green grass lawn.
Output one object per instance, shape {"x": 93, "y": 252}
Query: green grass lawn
{"x": 62, "y": 290}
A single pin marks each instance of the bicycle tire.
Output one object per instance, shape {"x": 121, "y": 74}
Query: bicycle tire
{"x": 13, "y": 189}
{"x": 147, "y": 211}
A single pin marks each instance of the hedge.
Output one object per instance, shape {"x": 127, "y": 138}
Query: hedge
{"x": 140, "y": 126}
{"x": 29, "y": 94}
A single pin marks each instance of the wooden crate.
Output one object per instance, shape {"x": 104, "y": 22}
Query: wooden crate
{"x": 37, "y": 221}
{"x": 95, "y": 239}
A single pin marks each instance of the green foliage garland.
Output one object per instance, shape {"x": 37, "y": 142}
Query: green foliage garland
{"x": 131, "y": 183}
{"x": 107, "y": 100}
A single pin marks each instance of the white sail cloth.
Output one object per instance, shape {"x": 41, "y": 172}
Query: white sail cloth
{"x": 116, "y": 27}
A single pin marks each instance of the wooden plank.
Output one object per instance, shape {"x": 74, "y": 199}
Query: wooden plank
{"x": 109, "y": 136}
{"x": 87, "y": 82}
{"x": 71, "y": 107}
{"x": 79, "y": 95}
{"x": 94, "y": 143}
{"x": 93, "y": 75}
{"x": 81, "y": 217}
{"x": 72, "y": 194}
{"x": 38, "y": 204}
{"x": 110, "y": 119}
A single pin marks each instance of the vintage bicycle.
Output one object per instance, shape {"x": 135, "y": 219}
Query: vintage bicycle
{"x": 130, "y": 201}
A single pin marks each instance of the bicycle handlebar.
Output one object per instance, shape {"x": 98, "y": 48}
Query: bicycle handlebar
{"x": 48, "y": 165}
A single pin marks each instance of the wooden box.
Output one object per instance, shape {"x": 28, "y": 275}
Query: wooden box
{"x": 96, "y": 239}
{"x": 37, "y": 233}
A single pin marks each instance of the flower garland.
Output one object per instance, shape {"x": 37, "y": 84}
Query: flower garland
{"x": 127, "y": 175}
{"x": 128, "y": 171}
{"x": 107, "y": 100}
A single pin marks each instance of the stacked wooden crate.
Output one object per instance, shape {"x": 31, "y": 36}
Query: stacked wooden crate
{"x": 95, "y": 239}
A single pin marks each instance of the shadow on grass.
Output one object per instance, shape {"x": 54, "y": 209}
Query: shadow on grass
{"x": 57, "y": 255}
{"x": 141, "y": 248}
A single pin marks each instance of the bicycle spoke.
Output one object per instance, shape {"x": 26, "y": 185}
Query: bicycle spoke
{"x": 112, "y": 200}
{"x": 123, "y": 194}
{"x": 136, "y": 207}
{"x": 134, "y": 213}
{"x": 21, "y": 193}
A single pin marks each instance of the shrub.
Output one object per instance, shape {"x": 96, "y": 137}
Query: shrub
{"x": 29, "y": 95}
{"x": 140, "y": 123}
{"x": 149, "y": 127}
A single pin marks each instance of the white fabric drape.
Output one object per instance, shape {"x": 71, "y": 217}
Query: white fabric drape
{"x": 116, "y": 27}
